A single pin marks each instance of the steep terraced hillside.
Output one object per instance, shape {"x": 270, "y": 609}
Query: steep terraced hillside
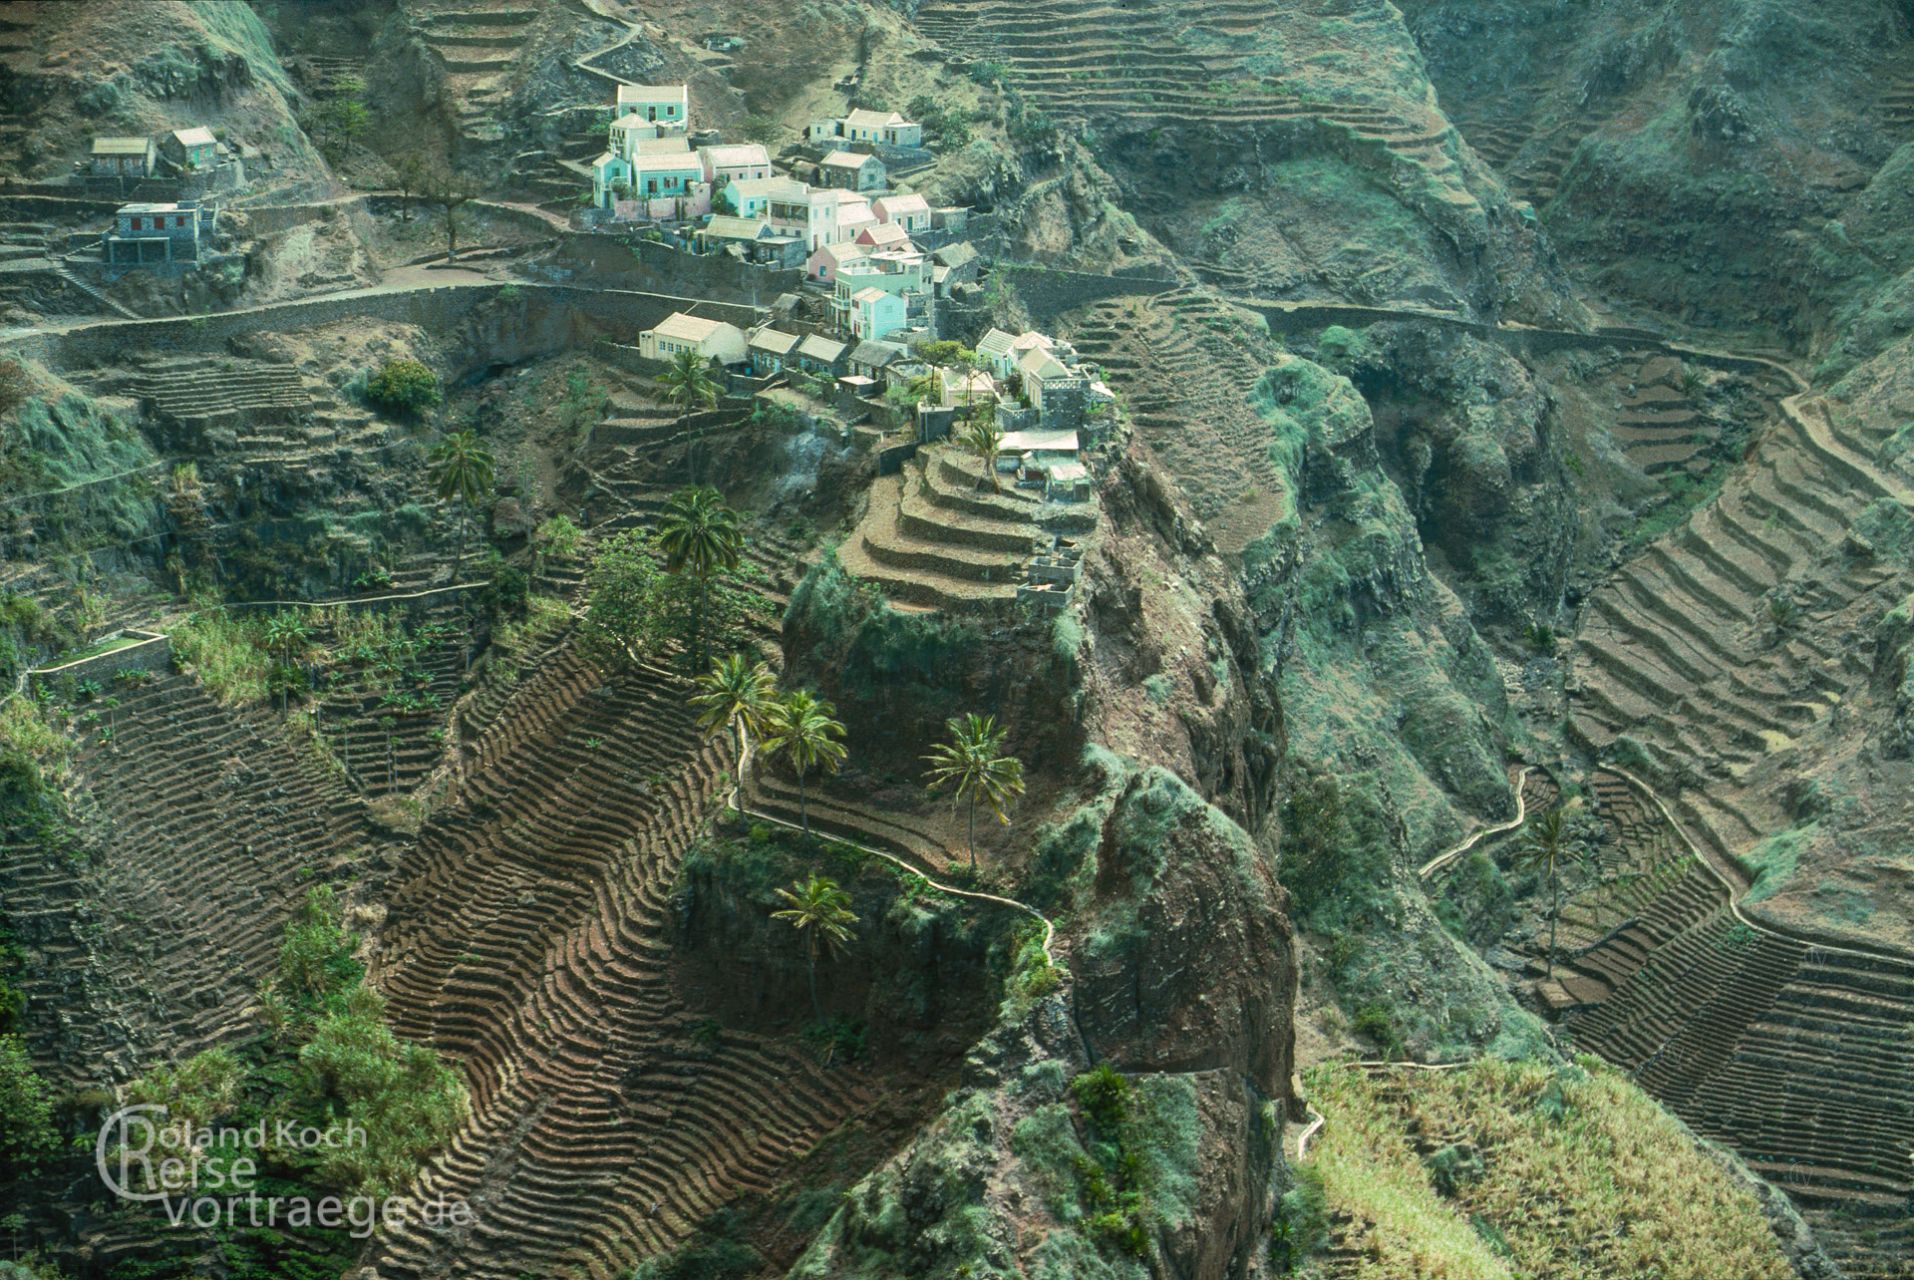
{"x": 1674, "y": 146}
{"x": 1183, "y": 361}
{"x": 208, "y": 828}
{"x": 1792, "y": 1053}
{"x": 1716, "y": 650}
{"x": 528, "y": 940}
{"x": 1329, "y": 170}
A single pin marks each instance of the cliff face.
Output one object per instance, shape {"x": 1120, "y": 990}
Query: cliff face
{"x": 1184, "y": 982}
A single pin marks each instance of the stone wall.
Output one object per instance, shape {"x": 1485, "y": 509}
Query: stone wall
{"x": 585, "y": 258}
{"x": 1048, "y": 292}
{"x": 154, "y": 652}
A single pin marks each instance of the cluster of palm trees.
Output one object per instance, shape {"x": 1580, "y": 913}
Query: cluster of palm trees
{"x": 741, "y": 696}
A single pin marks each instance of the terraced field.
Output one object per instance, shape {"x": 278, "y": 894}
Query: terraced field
{"x": 215, "y": 827}
{"x": 936, "y": 536}
{"x": 528, "y": 939}
{"x": 1178, "y": 361}
{"x": 1691, "y": 649}
{"x": 476, "y": 43}
{"x": 1138, "y": 66}
{"x": 1794, "y": 1054}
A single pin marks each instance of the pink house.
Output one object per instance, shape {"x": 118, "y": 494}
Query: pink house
{"x": 911, "y": 212}
{"x": 825, "y": 261}
{"x": 884, "y": 235}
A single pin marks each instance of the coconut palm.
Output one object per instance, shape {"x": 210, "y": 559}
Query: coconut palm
{"x": 1545, "y": 849}
{"x": 821, "y": 912}
{"x": 735, "y": 694}
{"x": 462, "y": 473}
{"x": 983, "y": 440}
{"x": 700, "y": 536}
{"x": 801, "y": 725}
{"x": 973, "y": 765}
{"x": 687, "y": 384}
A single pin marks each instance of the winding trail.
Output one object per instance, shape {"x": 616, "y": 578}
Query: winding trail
{"x": 1444, "y": 858}
{"x": 737, "y": 802}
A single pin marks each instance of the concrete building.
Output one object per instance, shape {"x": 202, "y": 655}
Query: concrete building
{"x": 886, "y": 127}
{"x": 663, "y": 106}
{"x": 159, "y": 235}
{"x": 678, "y": 332}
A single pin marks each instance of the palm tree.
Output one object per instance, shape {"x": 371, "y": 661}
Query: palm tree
{"x": 736, "y": 693}
{"x": 1544, "y": 849}
{"x": 973, "y": 764}
{"x": 700, "y": 536}
{"x": 687, "y": 384}
{"x": 984, "y": 440}
{"x": 821, "y": 911}
{"x": 461, "y": 472}
{"x": 801, "y": 725}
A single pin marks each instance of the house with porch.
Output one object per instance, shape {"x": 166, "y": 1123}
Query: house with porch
{"x": 906, "y": 274}
{"x": 679, "y": 332}
{"x": 755, "y": 238}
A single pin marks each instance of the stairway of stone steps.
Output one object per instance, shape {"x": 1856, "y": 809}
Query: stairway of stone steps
{"x": 16, "y": 35}
{"x": 528, "y": 939}
{"x": 212, "y": 824}
{"x": 322, "y": 76}
{"x": 1530, "y": 160}
{"x": 935, "y": 535}
{"x": 477, "y": 44}
{"x": 25, "y": 241}
{"x": 1679, "y": 648}
{"x": 1186, "y": 386}
{"x": 1794, "y": 1055}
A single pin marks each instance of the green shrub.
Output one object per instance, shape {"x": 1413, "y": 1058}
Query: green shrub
{"x": 1301, "y": 1226}
{"x": 405, "y": 387}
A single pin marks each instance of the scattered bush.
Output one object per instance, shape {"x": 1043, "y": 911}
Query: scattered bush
{"x": 405, "y": 387}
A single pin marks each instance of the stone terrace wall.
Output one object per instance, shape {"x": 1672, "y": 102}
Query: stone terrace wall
{"x": 583, "y": 258}
{"x": 1048, "y": 292}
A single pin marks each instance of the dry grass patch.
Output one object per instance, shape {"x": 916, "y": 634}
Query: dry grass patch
{"x": 1519, "y": 1169}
